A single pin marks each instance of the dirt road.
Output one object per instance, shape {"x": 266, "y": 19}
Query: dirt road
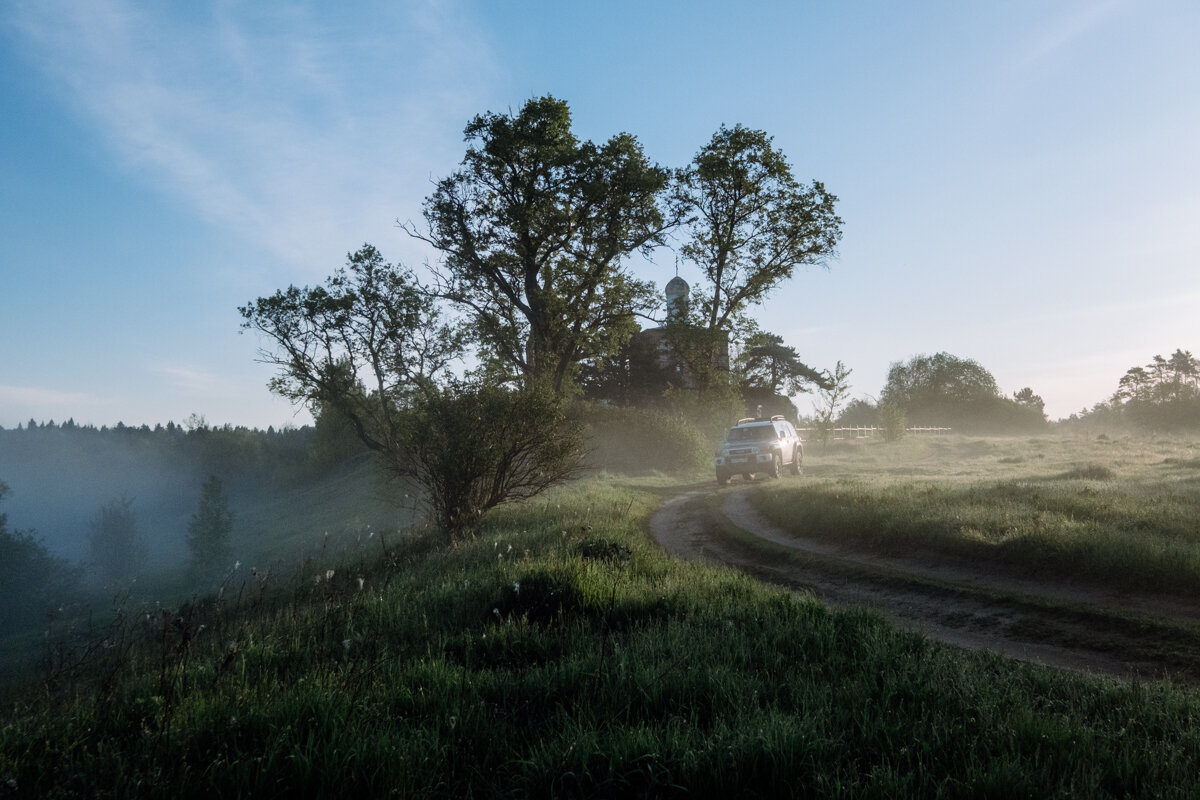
{"x": 1084, "y": 628}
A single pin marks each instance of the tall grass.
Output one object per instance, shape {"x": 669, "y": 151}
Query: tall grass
{"x": 558, "y": 652}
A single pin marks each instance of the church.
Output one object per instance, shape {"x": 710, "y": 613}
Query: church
{"x": 653, "y": 361}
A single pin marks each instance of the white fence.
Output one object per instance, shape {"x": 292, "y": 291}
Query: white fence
{"x": 867, "y": 431}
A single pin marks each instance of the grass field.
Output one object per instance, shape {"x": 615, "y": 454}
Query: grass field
{"x": 1124, "y": 513}
{"x": 559, "y": 652}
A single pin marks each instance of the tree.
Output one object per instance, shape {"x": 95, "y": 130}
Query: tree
{"x": 32, "y": 581}
{"x": 949, "y": 391}
{"x": 1133, "y": 384}
{"x": 751, "y": 223}
{"x": 942, "y": 384}
{"x": 770, "y": 372}
{"x": 116, "y": 549}
{"x": 360, "y": 347}
{"x": 533, "y": 229}
{"x": 1165, "y": 393}
{"x": 1027, "y": 399}
{"x": 833, "y": 394}
{"x": 209, "y": 529}
{"x": 859, "y": 412}
{"x": 370, "y": 346}
{"x": 768, "y": 364}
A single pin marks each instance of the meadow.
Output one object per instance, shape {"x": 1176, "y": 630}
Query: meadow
{"x": 1119, "y": 512}
{"x": 558, "y": 651}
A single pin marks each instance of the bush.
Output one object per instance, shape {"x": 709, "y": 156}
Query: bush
{"x": 474, "y": 447}
{"x": 637, "y": 440}
{"x": 893, "y": 421}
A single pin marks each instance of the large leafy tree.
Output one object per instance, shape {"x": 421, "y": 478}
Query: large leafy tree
{"x": 947, "y": 390}
{"x": 936, "y": 381}
{"x": 750, "y": 224}
{"x": 534, "y": 228}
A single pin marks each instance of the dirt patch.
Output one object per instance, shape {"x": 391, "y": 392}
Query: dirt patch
{"x": 1085, "y": 628}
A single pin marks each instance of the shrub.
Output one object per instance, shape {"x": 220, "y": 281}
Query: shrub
{"x": 635, "y": 439}
{"x": 893, "y": 421}
{"x": 1088, "y": 472}
{"x": 474, "y": 447}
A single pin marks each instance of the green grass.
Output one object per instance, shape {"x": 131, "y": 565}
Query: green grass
{"x": 558, "y": 652}
{"x": 1122, "y": 514}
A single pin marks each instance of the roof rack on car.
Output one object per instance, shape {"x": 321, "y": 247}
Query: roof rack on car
{"x": 777, "y": 417}
{"x": 744, "y": 420}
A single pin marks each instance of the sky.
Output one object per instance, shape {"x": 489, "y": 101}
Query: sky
{"x": 1019, "y": 180}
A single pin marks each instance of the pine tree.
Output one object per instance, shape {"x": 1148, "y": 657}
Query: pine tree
{"x": 116, "y": 549}
{"x": 209, "y": 529}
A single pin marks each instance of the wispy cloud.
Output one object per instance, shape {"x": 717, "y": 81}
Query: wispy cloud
{"x": 259, "y": 115}
{"x": 1064, "y": 30}
{"x": 42, "y": 398}
{"x": 197, "y": 380}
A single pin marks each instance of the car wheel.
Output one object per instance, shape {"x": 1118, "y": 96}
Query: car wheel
{"x": 776, "y": 466}
{"x": 797, "y": 460}
{"x": 746, "y": 476}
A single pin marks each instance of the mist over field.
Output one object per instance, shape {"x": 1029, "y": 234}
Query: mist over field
{"x": 58, "y": 491}
{"x": 284, "y": 495}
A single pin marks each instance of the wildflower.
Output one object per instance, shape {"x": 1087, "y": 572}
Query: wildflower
{"x": 496, "y": 611}
{"x": 453, "y": 721}
{"x": 328, "y": 574}
{"x": 360, "y": 582}
{"x": 346, "y": 645}
{"x": 237, "y": 564}
{"x": 516, "y": 587}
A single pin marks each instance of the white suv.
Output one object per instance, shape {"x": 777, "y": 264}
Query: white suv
{"x": 759, "y": 445}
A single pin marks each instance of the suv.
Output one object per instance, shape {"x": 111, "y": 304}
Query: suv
{"x": 759, "y": 445}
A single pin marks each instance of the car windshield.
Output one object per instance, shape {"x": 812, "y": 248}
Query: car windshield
{"x": 755, "y": 433}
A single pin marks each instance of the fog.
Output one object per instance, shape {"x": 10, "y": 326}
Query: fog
{"x": 57, "y": 492}
{"x": 283, "y": 498}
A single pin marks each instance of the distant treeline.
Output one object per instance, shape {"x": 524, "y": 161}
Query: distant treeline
{"x": 1162, "y": 395}
{"x": 237, "y": 451}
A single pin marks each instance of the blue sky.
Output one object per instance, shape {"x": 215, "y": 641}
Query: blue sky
{"x": 1020, "y": 181}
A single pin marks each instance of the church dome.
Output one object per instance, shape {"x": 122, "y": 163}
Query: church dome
{"x": 677, "y": 296}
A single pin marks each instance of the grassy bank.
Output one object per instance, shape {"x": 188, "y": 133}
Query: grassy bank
{"x": 559, "y": 653}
